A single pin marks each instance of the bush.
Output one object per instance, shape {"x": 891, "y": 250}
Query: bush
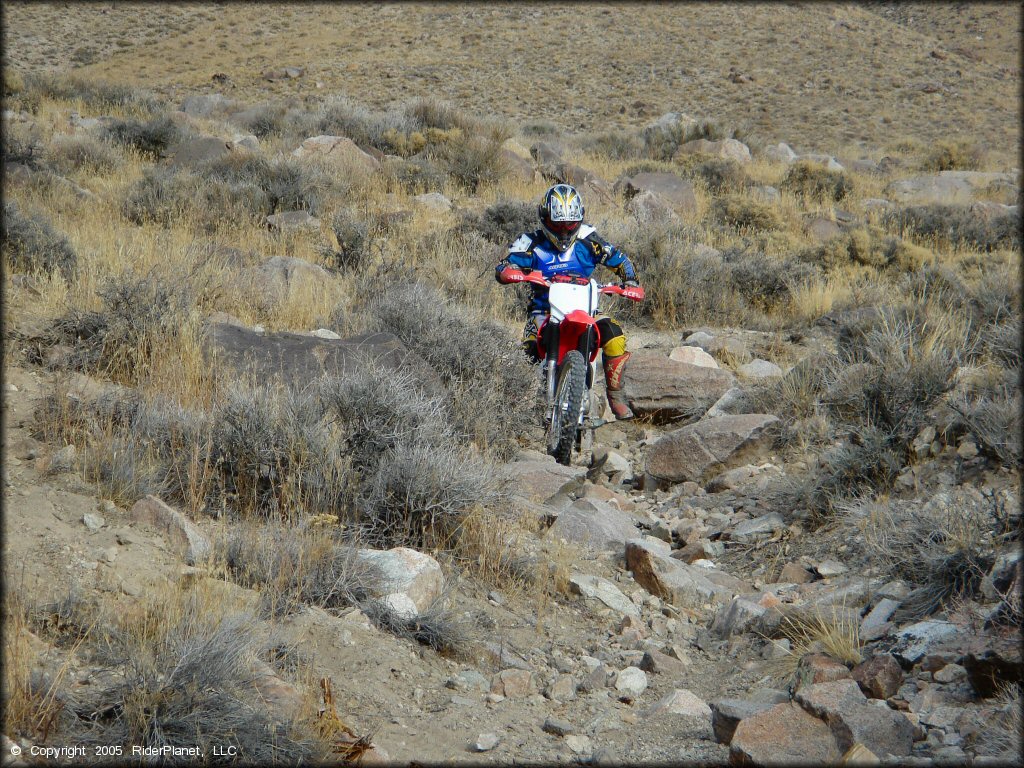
{"x": 187, "y": 681}
{"x": 356, "y": 241}
{"x": 437, "y": 627}
{"x": 261, "y": 121}
{"x": 616, "y": 145}
{"x": 165, "y": 197}
{"x": 765, "y": 283}
{"x": 485, "y": 367}
{"x": 77, "y": 153}
{"x": 719, "y": 175}
{"x": 414, "y": 176}
{"x": 150, "y": 139}
{"x": 98, "y": 96}
{"x": 30, "y": 244}
{"x": 286, "y": 184}
{"x": 504, "y": 221}
{"x": 341, "y": 117}
{"x": 954, "y": 155}
{"x": 959, "y": 225}
{"x": 811, "y": 180}
{"x": 993, "y": 416}
{"x": 472, "y": 159}
{"x": 870, "y": 247}
{"x": 745, "y": 214}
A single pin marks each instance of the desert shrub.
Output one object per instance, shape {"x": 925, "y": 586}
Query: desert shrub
{"x": 1002, "y": 342}
{"x": 139, "y": 315}
{"x": 504, "y": 221}
{"x": 31, "y": 244}
{"x": 341, "y": 117}
{"x": 662, "y": 139}
{"x": 75, "y": 153}
{"x": 814, "y": 181}
{"x": 151, "y": 138}
{"x": 868, "y": 246}
{"x": 993, "y": 415}
{"x": 996, "y": 296}
{"x": 165, "y": 197}
{"x": 356, "y": 240}
{"x": 438, "y": 627}
{"x": 960, "y": 225}
{"x": 764, "y": 282}
{"x": 186, "y": 680}
{"x": 539, "y": 128}
{"x": 97, "y": 95}
{"x": 960, "y": 155}
{"x": 935, "y": 283}
{"x": 745, "y": 214}
{"x": 24, "y": 148}
{"x": 869, "y": 461}
{"x": 485, "y": 368}
{"x": 615, "y": 145}
{"x": 262, "y": 120}
{"x": 429, "y": 112}
{"x": 719, "y": 175}
{"x": 293, "y": 567}
{"x": 944, "y": 547}
{"x": 125, "y": 470}
{"x": 286, "y": 184}
{"x": 414, "y": 175}
{"x": 472, "y": 159}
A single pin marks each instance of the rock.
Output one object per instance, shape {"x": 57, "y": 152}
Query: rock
{"x": 693, "y": 451}
{"x": 686, "y": 706}
{"x": 858, "y": 754}
{"x": 292, "y": 221}
{"x": 93, "y": 521}
{"x": 631, "y": 682}
{"x": 877, "y": 621}
{"x": 593, "y": 523}
{"x": 434, "y": 202}
{"x": 951, "y": 188}
{"x": 699, "y": 339}
{"x": 278, "y": 276}
{"x": 674, "y": 190}
{"x": 181, "y": 532}
{"x": 325, "y": 333}
{"x": 557, "y": 727}
{"x": 993, "y": 661}
{"x": 485, "y": 742}
{"x": 193, "y": 152}
{"x": 726, "y": 714}
{"x": 828, "y": 161}
{"x": 723, "y": 406}
{"x": 819, "y": 668}
{"x": 951, "y": 673}
{"x": 681, "y": 584}
{"x": 759, "y": 369}
{"x": 793, "y": 573}
{"x": 658, "y": 386}
{"x": 780, "y": 153}
{"x": 338, "y": 150}
{"x": 518, "y": 167}
{"x": 853, "y": 721}
{"x": 504, "y": 656}
{"x": 605, "y": 591}
{"x": 737, "y": 617}
{"x": 545, "y": 154}
{"x": 659, "y": 663}
{"x": 282, "y": 699}
{"x": 880, "y": 677}
{"x": 913, "y": 642}
{"x": 404, "y": 571}
{"x": 563, "y": 688}
{"x": 727, "y": 149}
{"x": 822, "y": 229}
{"x": 299, "y": 359}
{"x": 650, "y": 208}
{"x": 62, "y": 460}
{"x": 828, "y": 568}
{"x": 782, "y": 735}
{"x": 246, "y": 141}
{"x": 766, "y": 194}
{"x": 579, "y": 743}
{"x": 205, "y": 104}
{"x": 757, "y": 528}
{"x": 693, "y": 356}
{"x": 512, "y": 683}
{"x": 540, "y": 479}
{"x": 734, "y": 478}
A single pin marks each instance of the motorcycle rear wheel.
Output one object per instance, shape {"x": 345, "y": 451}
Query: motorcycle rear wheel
{"x": 565, "y": 416}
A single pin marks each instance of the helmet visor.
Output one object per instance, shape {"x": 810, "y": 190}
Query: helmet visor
{"x": 564, "y": 228}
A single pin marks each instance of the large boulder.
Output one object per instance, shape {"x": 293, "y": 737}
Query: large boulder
{"x": 605, "y": 591}
{"x": 593, "y": 523}
{"x": 338, "y": 150}
{"x": 537, "y": 478}
{"x": 727, "y": 149}
{"x": 278, "y": 276}
{"x": 206, "y": 104}
{"x": 296, "y": 359}
{"x": 663, "y": 388}
{"x": 410, "y": 581}
{"x": 783, "y": 735}
{"x": 696, "y": 450}
{"x": 676, "y": 191}
{"x": 650, "y": 208}
{"x": 726, "y": 714}
{"x": 854, "y": 721}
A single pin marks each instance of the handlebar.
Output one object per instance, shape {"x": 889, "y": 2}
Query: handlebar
{"x": 513, "y": 275}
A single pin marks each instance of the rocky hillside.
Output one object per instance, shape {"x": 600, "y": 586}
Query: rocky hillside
{"x": 274, "y": 480}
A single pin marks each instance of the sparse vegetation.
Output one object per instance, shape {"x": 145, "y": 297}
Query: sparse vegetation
{"x": 31, "y": 244}
{"x": 816, "y": 182}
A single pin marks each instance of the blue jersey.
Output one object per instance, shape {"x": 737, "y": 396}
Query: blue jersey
{"x": 533, "y": 251}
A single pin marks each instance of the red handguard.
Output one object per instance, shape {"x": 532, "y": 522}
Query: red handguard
{"x": 511, "y": 275}
{"x": 634, "y": 292}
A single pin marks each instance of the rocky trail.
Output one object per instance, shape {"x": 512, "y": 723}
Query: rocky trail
{"x": 667, "y": 645}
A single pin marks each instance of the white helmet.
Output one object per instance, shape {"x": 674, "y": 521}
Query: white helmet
{"x": 561, "y": 214}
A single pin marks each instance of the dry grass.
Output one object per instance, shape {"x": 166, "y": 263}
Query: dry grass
{"x": 830, "y": 632}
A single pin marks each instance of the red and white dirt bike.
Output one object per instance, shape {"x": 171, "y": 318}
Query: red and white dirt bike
{"x": 569, "y": 341}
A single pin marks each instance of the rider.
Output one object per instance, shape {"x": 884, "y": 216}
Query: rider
{"x": 564, "y": 244}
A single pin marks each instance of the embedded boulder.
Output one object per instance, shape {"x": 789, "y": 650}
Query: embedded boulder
{"x": 338, "y": 150}
{"x": 663, "y": 388}
{"x": 410, "y": 581}
{"x": 697, "y": 450}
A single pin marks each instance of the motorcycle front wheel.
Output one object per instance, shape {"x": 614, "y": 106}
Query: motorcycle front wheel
{"x": 568, "y": 402}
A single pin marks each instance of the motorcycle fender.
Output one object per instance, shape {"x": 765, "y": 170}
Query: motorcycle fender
{"x": 573, "y": 327}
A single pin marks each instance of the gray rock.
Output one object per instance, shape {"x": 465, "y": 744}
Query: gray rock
{"x": 681, "y": 584}
{"x": 93, "y": 521}
{"x": 780, "y": 153}
{"x": 538, "y": 478}
{"x": 853, "y": 721}
{"x": 951, "y": 188}
{"x": 727, "y": 149}
{"x": 757, "y": 527}
{"x": 246, "y": 141}
{"x": 605, "y": 591}
{"x": 784, "y": 735}
{"x": 708, "y": 446}
{"x": 183, "y": 534}
{"x": 737, "y": 617}
{"x": 828, "y": 161}
{"x": 193, "y": 152}
{"x": 485, "y": 742}
{"x": 723, "y": 406}
{"x": 631, "y": 681}
{"x": 593, "y": 523}
{"x": 699, "y": 339}
{"x": 831, "y": 568}
{"x": 291, "y": 221}
{"x": 339, "y": 151}
{"x": 674, "y": 190}
{"x": 878, "y": 618}
{"x": 913, "y": 642}
{"x": 726, "y": 714}
{"x": 766, "y": 194}
{"x": 205, "y": 104}
{"x": 433, "y": 201}
{"x": 557, "y": 727}
{"x": 404, "y": 571}
{"x": 648, "y": 207}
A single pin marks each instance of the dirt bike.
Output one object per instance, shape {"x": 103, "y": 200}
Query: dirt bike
{"x": 571, "y": 332}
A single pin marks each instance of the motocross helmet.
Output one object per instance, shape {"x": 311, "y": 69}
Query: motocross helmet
{"x": 561, "y": 214}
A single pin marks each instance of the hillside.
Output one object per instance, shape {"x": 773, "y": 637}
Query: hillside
{"x": 275, "y": 476}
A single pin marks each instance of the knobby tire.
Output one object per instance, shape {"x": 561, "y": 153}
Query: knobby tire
{"x": 572, "y": 383}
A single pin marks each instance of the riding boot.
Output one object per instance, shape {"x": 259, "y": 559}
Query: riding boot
{"x": 613, "y": 368}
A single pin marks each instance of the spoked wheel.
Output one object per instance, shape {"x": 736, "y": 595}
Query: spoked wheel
{"x": 565, "y": 417}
